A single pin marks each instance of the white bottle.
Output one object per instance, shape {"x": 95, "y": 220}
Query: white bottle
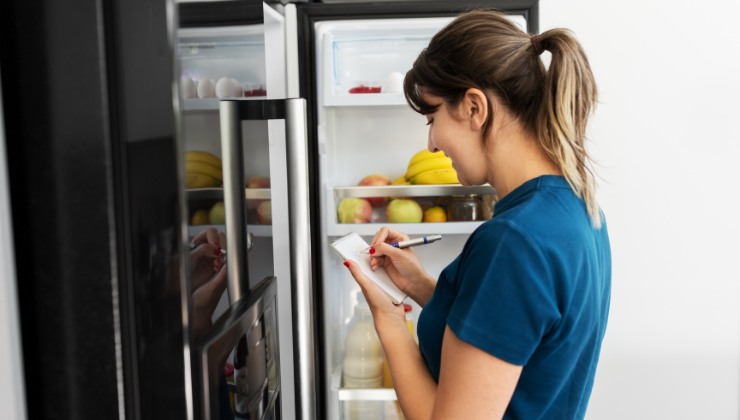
{"x": 363, "y": 363}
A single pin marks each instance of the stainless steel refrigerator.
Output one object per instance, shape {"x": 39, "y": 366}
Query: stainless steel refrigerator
{"x": 97, "y": 127}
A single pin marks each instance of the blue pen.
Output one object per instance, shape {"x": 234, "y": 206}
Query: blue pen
{"x": 413, "y": 242}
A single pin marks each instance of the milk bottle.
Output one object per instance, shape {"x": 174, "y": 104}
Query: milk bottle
{"x": 363, "y": 363}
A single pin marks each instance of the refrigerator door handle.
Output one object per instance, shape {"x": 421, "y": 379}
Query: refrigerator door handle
{"x": 301, "y": 255}
{"x": 234, "y": 203}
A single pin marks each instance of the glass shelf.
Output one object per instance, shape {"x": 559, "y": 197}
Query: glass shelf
{"x": 411, "y": 191}
{"x": 218, "y": 194}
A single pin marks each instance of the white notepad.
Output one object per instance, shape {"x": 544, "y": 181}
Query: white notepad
{"x": 351, "y": 248}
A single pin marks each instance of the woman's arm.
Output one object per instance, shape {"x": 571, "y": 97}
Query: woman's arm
{"x": 473, "y": 384}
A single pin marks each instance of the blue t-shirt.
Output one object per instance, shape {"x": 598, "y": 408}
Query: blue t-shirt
{"x": 532, "y": 287}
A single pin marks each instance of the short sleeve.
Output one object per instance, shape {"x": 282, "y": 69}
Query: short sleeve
{"x": 506, "y": 299}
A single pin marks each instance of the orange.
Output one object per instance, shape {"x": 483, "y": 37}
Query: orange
{"x": 200, "y": 217}
{"x": 435, "y": 214}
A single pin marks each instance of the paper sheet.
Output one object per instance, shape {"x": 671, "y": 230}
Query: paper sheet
{"x": 351, "y": 248}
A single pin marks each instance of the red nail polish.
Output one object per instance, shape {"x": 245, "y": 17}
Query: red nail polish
{"x": 346, "y": 264}
{"x": 372, "y": 251}
{"x": 217, "y": 252}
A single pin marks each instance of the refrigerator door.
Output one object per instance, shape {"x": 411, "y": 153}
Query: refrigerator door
{"x": 288, "y": 211}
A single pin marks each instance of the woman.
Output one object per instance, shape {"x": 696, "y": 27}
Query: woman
{"x": 513, "y": 326}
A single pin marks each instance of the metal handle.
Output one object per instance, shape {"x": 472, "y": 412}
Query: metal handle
{"x": 300, "y": 251}
{"x": 234, "y": 202}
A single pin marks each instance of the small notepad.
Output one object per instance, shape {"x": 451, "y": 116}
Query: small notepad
{"x": 351, "y": 248}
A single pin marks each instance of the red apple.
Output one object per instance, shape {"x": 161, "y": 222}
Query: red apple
{"x": 264, "y": 213}
{"x": 404, "y": 210}
{"x": 374, "y": 180}
{"x": 354, "y": 210}
{"x": 258, "y": 182}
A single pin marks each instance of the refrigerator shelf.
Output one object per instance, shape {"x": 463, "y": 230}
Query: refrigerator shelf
{"x": 218, "y": 194}
{"x": 366, "y": 99}
{"x": 361, "y": 394}
{"x": 369, "y": 229}
{"x": 410, "y": 190}
{"x": 210, "y": 104}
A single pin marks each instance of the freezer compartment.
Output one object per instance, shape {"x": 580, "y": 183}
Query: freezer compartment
{"x": 363, "y": 61}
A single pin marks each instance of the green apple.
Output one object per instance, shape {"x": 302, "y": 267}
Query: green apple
{"x": 404, "y": 210}
{"x": 354, "y": 210}
{"x": 217, "y": 215}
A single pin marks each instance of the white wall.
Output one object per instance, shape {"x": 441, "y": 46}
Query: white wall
{"x": 666, "y": 139}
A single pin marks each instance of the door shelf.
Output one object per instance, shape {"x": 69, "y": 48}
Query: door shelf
{"x": 411, "y": 191}
{"x": 360, "y": 394}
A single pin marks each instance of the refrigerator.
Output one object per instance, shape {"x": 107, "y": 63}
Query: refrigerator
{"x": 97, "y": 126}
{"x": 331, "y": 62}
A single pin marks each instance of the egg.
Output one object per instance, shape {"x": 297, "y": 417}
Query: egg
{"x": 187, "y": 88}
{"x": 238, "y": 89}
{"x": 393, "y": 83}
{"x": 206, "y": 89}
{"x": 225, "y": 88}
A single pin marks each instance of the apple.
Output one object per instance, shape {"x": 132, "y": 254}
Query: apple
{"x": 264, "y": 213}
{"x": 404, "y": 210}
{"x": 374, "y": 180}
{"x": 354, "y": 210}
{"x": 258, "y": 182}
{"x": 217, "y": 214}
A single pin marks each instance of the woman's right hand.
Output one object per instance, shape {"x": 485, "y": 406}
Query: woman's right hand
{"x": 402, "y": 265}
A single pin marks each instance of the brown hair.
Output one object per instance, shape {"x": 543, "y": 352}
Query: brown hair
{"x": 486, "y": 50}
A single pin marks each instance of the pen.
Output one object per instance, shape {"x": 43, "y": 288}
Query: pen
{"x": 414, "y": 242}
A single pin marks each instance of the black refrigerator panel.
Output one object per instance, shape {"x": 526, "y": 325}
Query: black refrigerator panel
{"x": 96, "y": 207}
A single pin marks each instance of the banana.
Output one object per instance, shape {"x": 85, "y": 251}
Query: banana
{"x": 204, "y": 169}
{"x": 436, "y": 176}
{"x": 423, "y": 154}
{"x": 437, "y": 162}
{"x": 193, "y": 180}
{"x": 401, "y": 180}
{"x": 203, "y": 156}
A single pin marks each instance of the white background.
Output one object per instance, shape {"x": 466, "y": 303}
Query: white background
{"x": 666, "y": 140}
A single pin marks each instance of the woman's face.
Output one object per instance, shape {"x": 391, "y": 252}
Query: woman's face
{"x": 451, "y": 132}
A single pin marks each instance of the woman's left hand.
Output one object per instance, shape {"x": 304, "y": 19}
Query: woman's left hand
{"x": 206, "y": 258}
{"x": 380, "y": 303}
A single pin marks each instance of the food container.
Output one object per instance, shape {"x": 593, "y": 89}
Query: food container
{"x": 487, "y": 201}
{"x": 463, "y": 208}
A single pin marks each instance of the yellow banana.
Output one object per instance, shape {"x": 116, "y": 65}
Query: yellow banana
{"x": 401, "y": 180}
{"x": 423, "y": 155}
{"x": 193, "y": 180}
{"x": 203, "y": 156}
{"x": 438, "y": 162}
{"x": 436, "y": 176}
{"x": 204, "y": 169}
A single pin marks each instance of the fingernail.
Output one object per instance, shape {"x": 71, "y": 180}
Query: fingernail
{"x": 217, "y": 252}
{"x": 372, "y": 251}
{"x": 346, "y": 264}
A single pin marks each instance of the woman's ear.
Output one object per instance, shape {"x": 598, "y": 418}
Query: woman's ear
{"x": 475, "y": 107}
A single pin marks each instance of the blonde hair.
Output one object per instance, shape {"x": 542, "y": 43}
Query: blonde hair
{"x": 485, "y": 50}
